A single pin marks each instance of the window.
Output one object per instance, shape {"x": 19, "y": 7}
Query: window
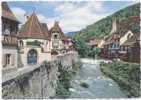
{"x": 117, "y": 45}
{"x": 32, "y": 57}
{"x": 8, "y": 59}
{"x": 3, "y": 28}
{"x": 113, "y": 46}
{"x": 46, "y": 43}
{"x": 55, "y": 36}
{"x": 21, "y": 43}
{"x": 7, "y": 29}
{"x": 126, "y": 48}
{"x": 121, "y": 48}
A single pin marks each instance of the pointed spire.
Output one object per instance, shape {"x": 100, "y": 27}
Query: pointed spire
{"x": 34, "y": 10}
{"x": 33, "y": 28}
{"x": 56, "y": 23}
{"x": 56, "y": 28}
{"x": 114, "y": 26}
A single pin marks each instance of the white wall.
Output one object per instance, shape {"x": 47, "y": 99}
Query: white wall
{"x": 125, "y": 37}
{"x": 12, "y": 51}
{"x": 42, "y": 56}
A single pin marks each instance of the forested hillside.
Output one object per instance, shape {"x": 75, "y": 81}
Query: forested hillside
{"x": 102, "y": 28}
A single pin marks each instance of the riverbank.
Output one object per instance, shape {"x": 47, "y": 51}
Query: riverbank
{"x": 64, "y": 80}
{"x": 127, "y": 75}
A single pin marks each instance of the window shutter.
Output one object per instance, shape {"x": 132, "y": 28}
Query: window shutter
{"x": 12, "y": 59}
{"x": 3, "y": 60}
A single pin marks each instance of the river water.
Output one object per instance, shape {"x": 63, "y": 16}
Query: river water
{"x": 99, "y": 85}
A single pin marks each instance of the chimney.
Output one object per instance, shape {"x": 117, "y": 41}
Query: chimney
{"x": 114, "y": 26}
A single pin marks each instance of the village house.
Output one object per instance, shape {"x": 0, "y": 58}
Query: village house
{"x": 124, "y": 42}
{"x": 130, "y": 49}
{"x": 130, "y": 40}
{"x": 59, "y": 42}
{"x": 38, "y": 44}
{"x": 95, "y": 42}
{"x": 111, "y": 46}
{"x": 9, "y": 38}
{"x": 111, "y": 43}
{"x": 33, "y": 43}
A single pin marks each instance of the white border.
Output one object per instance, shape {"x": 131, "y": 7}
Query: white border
{"x": 53, "y": 0}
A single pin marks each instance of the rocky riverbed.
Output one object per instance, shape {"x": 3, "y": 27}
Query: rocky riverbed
{"x": 99, "y": 86}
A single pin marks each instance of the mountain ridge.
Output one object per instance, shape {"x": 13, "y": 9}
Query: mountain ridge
{"x": 103, "y": 26}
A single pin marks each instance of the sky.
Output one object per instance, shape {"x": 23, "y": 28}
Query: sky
{"x": 72, "y": 15}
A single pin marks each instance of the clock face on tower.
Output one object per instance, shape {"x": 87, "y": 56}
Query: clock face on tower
{"x": 55, "y": 36}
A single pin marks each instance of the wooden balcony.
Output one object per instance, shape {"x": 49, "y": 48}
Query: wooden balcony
{"x": 8, "y": 40}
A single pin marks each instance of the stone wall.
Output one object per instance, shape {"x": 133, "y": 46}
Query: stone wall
{"x": 68, "y": 59}
{"x": 37, "y": 82}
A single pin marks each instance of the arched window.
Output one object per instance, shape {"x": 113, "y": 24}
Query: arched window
{"x": 32, "y": 57}
{"x": 21, "y": 43}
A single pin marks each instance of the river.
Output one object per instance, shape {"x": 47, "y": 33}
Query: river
{"x": 99, "y": 85}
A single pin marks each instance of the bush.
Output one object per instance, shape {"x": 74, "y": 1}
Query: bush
{"x": 45, "y": 62}
{"x": 63, "y": 83}
{"x": 64, "y": 78}
{"x": 84, "y": 84}
{"x": 127, "y": 75}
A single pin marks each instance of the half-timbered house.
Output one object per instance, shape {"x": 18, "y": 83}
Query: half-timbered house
{"x": 9, "y": 38}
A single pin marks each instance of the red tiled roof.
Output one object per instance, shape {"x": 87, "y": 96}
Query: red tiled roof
{"x": 94, "y": 41}
{"x": 111, "y": 38}
{"x": 33, "y": 29}
{"x": 133, "y": 39}
{"x": 56, "y": 29}
{"x": 45, "y": 29}
{"x": 125, "y": 25}
{"x": 7, "y": 13}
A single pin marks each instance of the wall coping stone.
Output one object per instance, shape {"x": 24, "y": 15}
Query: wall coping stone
{"x": 28, "y": 68}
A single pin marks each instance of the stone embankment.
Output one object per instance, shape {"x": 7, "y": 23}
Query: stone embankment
{"x": 38, "y": 81}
